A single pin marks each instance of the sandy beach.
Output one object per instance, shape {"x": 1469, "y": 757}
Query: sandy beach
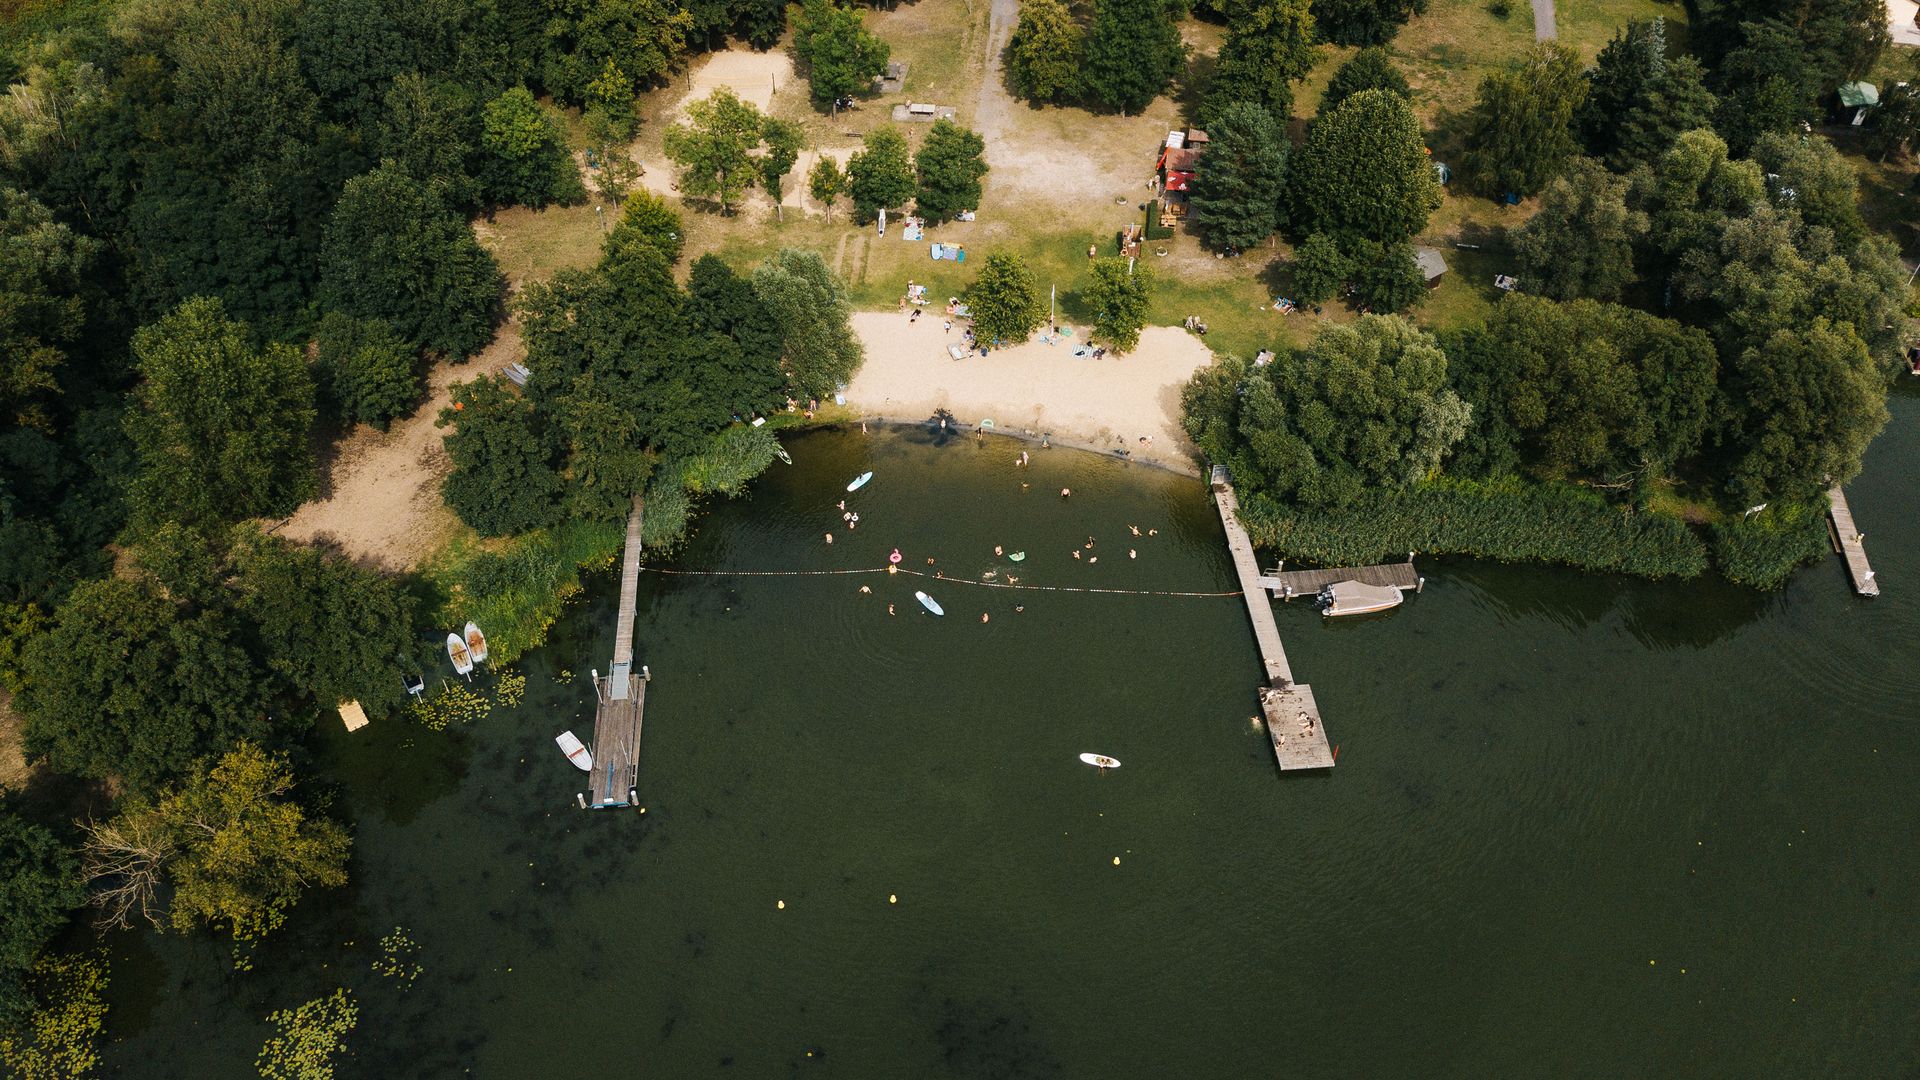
{"x": 1106, "y": 404}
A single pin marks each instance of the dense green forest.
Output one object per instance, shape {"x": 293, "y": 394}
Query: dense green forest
{"x": 1704, "y": 327}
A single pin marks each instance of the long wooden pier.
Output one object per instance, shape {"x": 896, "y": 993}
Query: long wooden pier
{"x": 1293, "y": 718}
{"x": 1852, "y": 544}
{"x": 621, "y": 696}
{"x": 1287, "y": 584}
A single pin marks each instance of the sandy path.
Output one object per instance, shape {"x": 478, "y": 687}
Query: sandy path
{"x": 1105, "y": 404}
{"x": 383, "y": 501}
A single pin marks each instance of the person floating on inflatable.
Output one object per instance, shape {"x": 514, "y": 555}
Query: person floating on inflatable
{"x": 893, "y": 562}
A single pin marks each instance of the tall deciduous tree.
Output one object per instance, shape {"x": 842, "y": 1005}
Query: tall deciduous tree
{"x": 783, "y": 141}
{"x": 130, "y": 682}
{"x": 646, "y": 222}
{"x": 1133, "y": 52}
{"x": 715, "y": 151}
{"x": 39, "y": 885}
{"x": 367, "y": 373}
{"x": 1581, "y": 243}
{"x": 503, "y": 479}
{"x": 880, "y": 174}
{"x": 1269, "y": 47}
{"x": 948, "y": 168}
{"x": 523, "y": 154}
{"x": 642, "y": 39}
{"x": 1239, "y": 195}
{"x": 1369, "y": 69}
{"x": 335, "y": 631}
{"x": 1806, "y": 173}
{"x": 720, "y": 301}
{"x": 1364, "y": 22}
{"x": 1807, "y": 401}
{"x": 1386, "y": 277}
{"x": 219, "y": 424}
{"x": 42, "y": 267}
{"x": 1045, "y": 53}
{"x": 1319, "y": 268}
{"x": 395, "y": 251}
{"x": 1005, "y": 299}
{"x": 1365, "y": 404}
{"x": 839, "y": 55}
{"x": 1364, "y": 171}
{"x": 1519, "y": 134}
{"x": 430, "y": 130}
{"x": 826, "y": 182}
{"x": 1119, "y": 298}
{"x": 809, "y": 305}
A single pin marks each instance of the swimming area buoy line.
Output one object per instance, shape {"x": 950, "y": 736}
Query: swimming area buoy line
{"x": 942, "y": 580}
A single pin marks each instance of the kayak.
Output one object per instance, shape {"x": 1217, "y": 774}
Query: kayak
{"x": 860, "y": 481}
{"x": 929, "y": 603}
{"x": 457, "y": 652}
{"x": 476, "y": 644}
{"x": 576, "y": 753}
{"x": 1100, "y": 761}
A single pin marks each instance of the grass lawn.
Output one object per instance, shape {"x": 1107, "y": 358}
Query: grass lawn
{"x": 1587, "y": 25}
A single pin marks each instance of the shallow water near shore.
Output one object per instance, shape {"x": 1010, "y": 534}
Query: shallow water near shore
{"x": 1581, "y": 825}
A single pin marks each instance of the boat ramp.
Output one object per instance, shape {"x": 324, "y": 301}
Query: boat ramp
{"x": 1293, "y": 718}
{"x": 1850, "y": 543}
{"x": 621, "y": 696}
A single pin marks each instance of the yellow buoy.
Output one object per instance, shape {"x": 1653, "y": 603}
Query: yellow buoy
{"x": 893, "y": 898}
{"x": 781, "y": 904}
{"x": 1116, "y": 860}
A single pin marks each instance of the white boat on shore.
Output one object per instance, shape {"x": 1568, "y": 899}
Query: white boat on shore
{"x": 1100, "y": 761}
{"x": 576, "y": 753}
{"x": 1358, "y": 598}
{"x": 476, "y": 644}
{"x": 458, "y": 653}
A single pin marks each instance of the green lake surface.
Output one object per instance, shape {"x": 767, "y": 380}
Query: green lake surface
{"x": 1581, "y": 826}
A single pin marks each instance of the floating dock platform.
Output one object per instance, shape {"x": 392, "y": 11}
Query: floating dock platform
{"x": 1288, "y": 584}
{"x": 1851, "y": 543}
{"x": 1293, "y": 718}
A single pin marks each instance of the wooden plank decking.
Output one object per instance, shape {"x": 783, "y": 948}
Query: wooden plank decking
{"x": 629, "y": 591}
{"x": 1293, "y": 723}
{"x": 1288, "y": 584}
{"x": 1240, "y": 546}
{"x": 616, "y": 741}
{"x": 1853, "y": 546}
{"x": 1293, "y": 718}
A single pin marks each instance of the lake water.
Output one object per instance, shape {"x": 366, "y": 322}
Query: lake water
{"x": 1581, "y": 825}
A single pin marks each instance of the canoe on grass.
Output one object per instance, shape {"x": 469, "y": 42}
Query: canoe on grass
{"x": 860, "y": 481}
{"x": 929, "y": 603}
{"x": 457, "y": 652}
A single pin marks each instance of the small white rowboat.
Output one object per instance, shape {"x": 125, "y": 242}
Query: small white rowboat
{"x": 476, "y": 644}
{"x": 576, "y": 753}
{"x": 457, "y": 652}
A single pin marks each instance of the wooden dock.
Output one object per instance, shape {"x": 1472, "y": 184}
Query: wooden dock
{"x": 1852, "y": 544}
{"x": 615, "y": 774}
{"x": 1287, "y": 584}
{"x": 621, "y": 694}
{"x": 1293, "y": 719}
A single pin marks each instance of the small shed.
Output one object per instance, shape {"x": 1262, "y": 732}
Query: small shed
{"x": 1177, "y": 160}
{"x": 1852, "y": 102}
{"x": 1432, "y": 264}
{"x": 1196, "y": 139}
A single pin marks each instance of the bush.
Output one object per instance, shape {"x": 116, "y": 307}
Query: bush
{"x": 1506, "y": 519}
{"x": 1763, "y": 551}
{"x": 517, "y": 593}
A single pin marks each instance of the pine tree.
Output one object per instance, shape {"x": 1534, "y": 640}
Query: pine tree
{"x": 1369, "y": 69}
{"x": 1133, "y": 52}
{"x": 1519, "y": 133}
{"x": 1269, "y": 47}
{"x": 1237, "y": 195}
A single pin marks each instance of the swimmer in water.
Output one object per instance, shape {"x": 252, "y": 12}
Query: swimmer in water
{"x": 829, "y": 538}
{"x": 1066, "y": 493}
{"x": 983, "y": 616}
{"x": 864, "y": 589}
{"x": 889, "y": 609}
{"x": 1153, "y": 532}
{"x": 1017, "y": 608}
{"x": 998, "y": 550}
{"x": 1076, "y": 554}
{"x": 1135, "y": 529}
{"x": 1132, "y": 554}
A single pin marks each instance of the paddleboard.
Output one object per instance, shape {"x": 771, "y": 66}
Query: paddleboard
{"x": 476, "y": 644}
{"x": 1100, "y": 761}
{"x": 860, "y": 481}
{"x": 457, "y": 652}
{"x": 576, "y": 753}
{"x": 929, "y": 603}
